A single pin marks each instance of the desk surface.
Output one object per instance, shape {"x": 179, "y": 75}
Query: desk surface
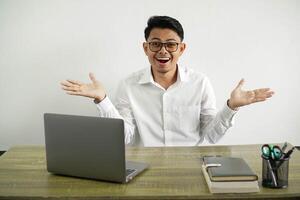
{"x": 175, "y": 173}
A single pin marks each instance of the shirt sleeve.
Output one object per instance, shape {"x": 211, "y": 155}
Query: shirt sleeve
{"x": 213, "y": 124}
{"x": 121, "y": 110}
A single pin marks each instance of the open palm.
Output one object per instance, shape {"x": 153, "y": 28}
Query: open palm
{"x": 240, "y": 97}
{"x": 92, "y": 90}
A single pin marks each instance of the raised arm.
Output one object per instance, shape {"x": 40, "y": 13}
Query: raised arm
{"x": 214, "y": 125}
{"x": 106, "y": 109}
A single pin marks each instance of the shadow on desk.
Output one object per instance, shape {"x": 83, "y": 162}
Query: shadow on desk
{"x": 2, "y": 152}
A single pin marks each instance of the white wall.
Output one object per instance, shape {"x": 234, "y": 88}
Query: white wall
{"x": 44, "y": 42}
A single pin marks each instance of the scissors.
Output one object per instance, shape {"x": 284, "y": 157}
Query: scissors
{"x": 271, "y": 152}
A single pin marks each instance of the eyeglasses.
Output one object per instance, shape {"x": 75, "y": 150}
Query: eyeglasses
{"x": 169, "y": 46}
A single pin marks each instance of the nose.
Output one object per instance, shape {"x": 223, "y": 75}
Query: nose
{"x": 163, "y": 49}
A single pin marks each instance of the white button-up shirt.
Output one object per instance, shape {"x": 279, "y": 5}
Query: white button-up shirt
{"x": 182, "y": 115}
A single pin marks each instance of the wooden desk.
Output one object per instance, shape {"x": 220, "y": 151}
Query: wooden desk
{"x": 175, "y": 173}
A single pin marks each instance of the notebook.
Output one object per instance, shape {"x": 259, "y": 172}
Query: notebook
{"x": 229, "y": 186}
{"x": 228, "y": 169}
{"x": 88, "y": 147}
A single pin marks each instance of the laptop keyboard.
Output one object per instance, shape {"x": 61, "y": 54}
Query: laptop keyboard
{"x": 130, "y": 171}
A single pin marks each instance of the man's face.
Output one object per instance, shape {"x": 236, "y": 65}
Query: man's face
{"x": 163, "y": 59}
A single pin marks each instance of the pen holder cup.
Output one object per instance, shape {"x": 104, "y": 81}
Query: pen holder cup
{"x": 275, "y": 173}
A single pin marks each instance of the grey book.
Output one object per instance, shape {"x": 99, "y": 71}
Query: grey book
{"x": 228, "y": 169}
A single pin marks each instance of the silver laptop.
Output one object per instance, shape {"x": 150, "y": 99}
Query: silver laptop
{"x": 88, "y": 147}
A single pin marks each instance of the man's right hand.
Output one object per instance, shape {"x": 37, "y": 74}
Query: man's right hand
{"x": 92, "y": 90}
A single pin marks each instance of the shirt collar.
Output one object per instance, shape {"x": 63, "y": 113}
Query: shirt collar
{"x": 182, "y": 75}
{"x": 146, "y": 77}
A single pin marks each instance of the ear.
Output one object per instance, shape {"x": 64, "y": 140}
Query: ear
{"x": 145, "y": 47}
{"x": 182, "y": 47}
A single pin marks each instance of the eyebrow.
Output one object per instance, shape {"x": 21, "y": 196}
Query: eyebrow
{"x": 161, "y": 40}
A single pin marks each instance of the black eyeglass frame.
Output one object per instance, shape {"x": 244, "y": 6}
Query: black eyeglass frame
{"x": 163, "y": 44}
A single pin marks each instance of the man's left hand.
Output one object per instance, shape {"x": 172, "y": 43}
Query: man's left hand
{"x": 240, "y": 97}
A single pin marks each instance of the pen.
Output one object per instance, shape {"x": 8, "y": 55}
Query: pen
{"x": 272, "y": 173}
{"x": 288, "y": 154}
{"x": 284, "y": 147}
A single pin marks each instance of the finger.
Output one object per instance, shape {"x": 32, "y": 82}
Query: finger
{"x": 64, "y": 87}
{"x": 268, "y": 95}
{"x": 74, "y": 89}
{"x": 262, "y": 90}
{"x": 265, "y": 92}
{"x": 74, "y": 82}
{"x": 74, "y": 93}
{"x": 263, "y": 96}
{"x": 92, "y": 77}
{"x": 240, "y": 84}
{"x": 66, "y": 83}
{"x": 259, "y": 100}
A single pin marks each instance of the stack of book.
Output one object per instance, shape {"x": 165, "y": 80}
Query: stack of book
{"x": 229, "y": 175}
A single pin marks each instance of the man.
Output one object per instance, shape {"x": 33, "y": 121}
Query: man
{"x": 166, "y": 104}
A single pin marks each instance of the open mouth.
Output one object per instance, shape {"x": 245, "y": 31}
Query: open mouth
{"x": 163, "y": 60}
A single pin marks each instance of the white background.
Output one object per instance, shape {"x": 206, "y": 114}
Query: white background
{"x": 43, "y": 42}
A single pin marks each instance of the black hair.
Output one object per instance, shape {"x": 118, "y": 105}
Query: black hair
{"x": 164, "y": 22}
